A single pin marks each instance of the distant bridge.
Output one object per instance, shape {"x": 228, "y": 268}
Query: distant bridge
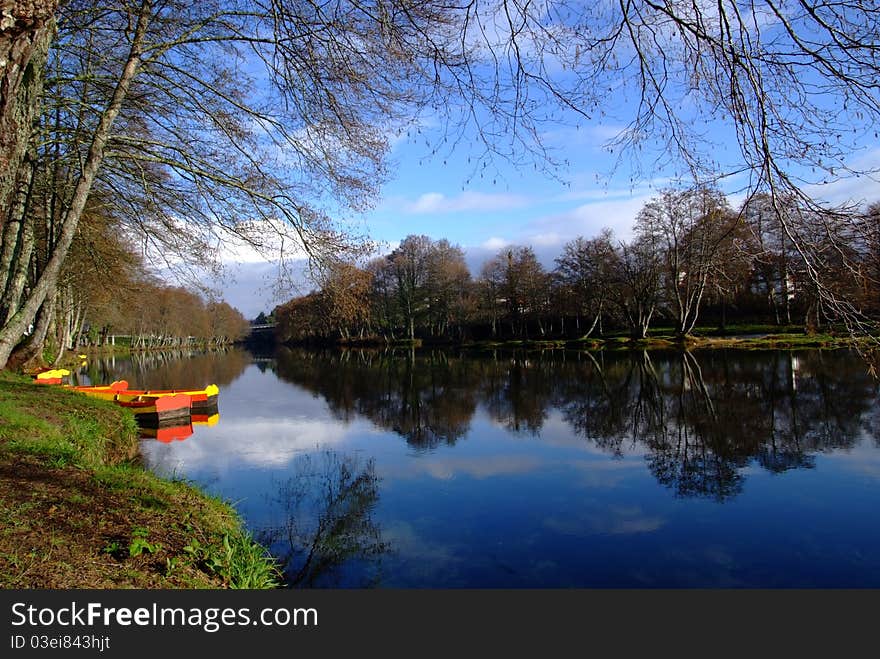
{"x": 262, "y": 333}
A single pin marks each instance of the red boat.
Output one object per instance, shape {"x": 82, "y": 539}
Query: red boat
{"x": 202, "y": 401}
{"x": 155, "y": 409}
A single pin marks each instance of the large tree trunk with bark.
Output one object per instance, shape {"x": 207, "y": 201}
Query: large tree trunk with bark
{"x": 26, "y": 29}
{"x": 44, "y": 287}
{"x": 32, "y": 350}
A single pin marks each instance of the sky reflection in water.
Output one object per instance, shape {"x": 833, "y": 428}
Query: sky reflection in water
{"x": 712, "y": 469}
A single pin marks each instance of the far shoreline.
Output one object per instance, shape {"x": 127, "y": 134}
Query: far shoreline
{"x": 750, "y": 337}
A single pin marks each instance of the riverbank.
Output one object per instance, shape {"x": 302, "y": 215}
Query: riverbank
{"x": 782, "y": 341}
{"x": 78, "y": 511}
{"x": 748, "y": 337}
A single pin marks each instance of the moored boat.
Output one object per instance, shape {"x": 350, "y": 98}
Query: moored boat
{"x": 103, "y": 391}
{"x": 51, "y": 376}
{"x": 151, "y": 410}
{"x": 203, "y": 401}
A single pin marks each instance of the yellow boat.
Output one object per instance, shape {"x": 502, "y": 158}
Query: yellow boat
{"x": 203, "y": 401}
{"x": 51, "y": 376}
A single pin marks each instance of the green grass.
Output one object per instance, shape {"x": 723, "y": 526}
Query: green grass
{"x": 15, "y": 423}
{"x": 748, "y": 328}
{"x": 239, "y": 561}
{"x": 744, "y": 335}
{"x": 77, "y": 511}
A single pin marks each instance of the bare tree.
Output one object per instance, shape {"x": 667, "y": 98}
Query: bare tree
{"x": 586, "y": 268}
{"x": 637, "y": 287}
{"x": 216, "y": 120}
{"x": 515, "y": 282}
{"x": 790, "y": 84}
{"x": 691, "y": 229}
{"x": 45, "y": 284}
{"x": 383, "y": 301}
{"x": 490, "y": 285}
{"x": 866, "y": 242}
{"x": 345, "y": 294}
{"x": 448, "y": 287}
{"x": 409, "y": 263}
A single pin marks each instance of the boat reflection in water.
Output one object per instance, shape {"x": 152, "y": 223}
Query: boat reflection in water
{"x": 167, "y": 434}
{"x": 209, "y": 419}
{"x": 177, "y": 430}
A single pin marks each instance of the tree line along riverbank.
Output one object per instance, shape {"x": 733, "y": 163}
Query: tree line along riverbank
{"x": 79, "y": 511}
{"x": 693, "y": 261}
{"x": 747, "y": 337}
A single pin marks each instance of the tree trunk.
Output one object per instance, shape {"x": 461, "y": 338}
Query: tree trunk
{"x": 17, "y": 267}
{"x": 18, "y": 224}
{"x": 26, "y": 30}
{"x": 33, "y": 348}
{"x": 11, "y": 332}
{"x": 80, "y": 323}
{"x": 786, "y": 299}
{"x": 64, "y": 313}
{"x": 595, "y": 322}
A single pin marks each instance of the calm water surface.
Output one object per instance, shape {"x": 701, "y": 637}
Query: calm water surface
{"x": 561, "y": 469}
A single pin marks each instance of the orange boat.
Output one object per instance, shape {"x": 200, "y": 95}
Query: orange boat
{"x": 153, "y": 410}
{"x": 103, "y": 391}
{"x": 203, "y": 401}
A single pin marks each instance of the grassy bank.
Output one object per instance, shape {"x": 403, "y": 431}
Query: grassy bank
{"x": 745, "y": 336}
{"x": 77, "y": 510}
{"x": 750, "y": 337}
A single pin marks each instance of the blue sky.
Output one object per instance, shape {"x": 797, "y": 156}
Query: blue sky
{"x": 506, "y": 202}
{"x": 440, "y": 196}
{"x": 446, "y": 194}
{"x": 483, "y": 206}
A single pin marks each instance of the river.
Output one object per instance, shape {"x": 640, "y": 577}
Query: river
{"x": 449, "y": 469}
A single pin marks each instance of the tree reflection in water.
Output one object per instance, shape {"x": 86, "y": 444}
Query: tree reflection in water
{"x": 167, "y": 369}
{"x": 700, "y": 417}
{"x": 328, "y": 529}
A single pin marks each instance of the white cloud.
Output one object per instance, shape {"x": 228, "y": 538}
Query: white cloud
{"x": 485, "y": 467}
{"x": 551, "y": 239}
{"x": 437, "y": 202}
{"x": 494, "y": 243}
{"x": 588, "y": 219}
{"x": 221, "y": 448}
{"x": 259, "y": 241}
{"x": 599, "y": 190}
{"x": 430, "y": 202}
{"x": 260, "y": 286}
